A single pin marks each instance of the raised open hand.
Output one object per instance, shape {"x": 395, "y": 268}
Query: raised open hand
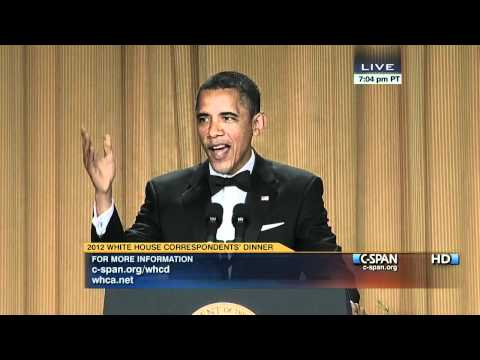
{"x": 101, "y": 169}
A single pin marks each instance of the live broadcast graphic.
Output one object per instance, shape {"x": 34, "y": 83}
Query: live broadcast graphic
{"x": 257, "y": 265}
{"x": 377, "y": 69}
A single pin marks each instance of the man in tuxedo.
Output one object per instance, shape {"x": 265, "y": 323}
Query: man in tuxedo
{"x": 284, "y": 203}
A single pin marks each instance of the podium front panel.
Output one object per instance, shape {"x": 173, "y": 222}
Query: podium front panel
{"x": 258, "y": 301}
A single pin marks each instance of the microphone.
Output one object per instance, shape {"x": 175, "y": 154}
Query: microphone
{"x": 214, "y": 214}
{"x": 240, "y": 221}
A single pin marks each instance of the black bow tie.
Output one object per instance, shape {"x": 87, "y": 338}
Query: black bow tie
{"x": 241, "y": 180}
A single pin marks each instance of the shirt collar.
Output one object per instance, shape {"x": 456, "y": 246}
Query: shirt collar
{"x": 248, "y": 166}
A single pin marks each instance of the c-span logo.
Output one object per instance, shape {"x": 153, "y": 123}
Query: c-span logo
{"x": 377, "y": 69}
{"x": 223, "y": 308}
{"x": 376, "y": 262}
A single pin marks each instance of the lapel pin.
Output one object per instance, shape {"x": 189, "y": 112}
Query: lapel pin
{"x": 265, "y": 198}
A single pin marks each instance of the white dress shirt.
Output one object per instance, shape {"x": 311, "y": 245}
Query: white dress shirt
{"x": 228, "y": 197}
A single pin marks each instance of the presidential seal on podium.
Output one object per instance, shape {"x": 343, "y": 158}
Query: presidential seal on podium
{"x": 223, "y": 308}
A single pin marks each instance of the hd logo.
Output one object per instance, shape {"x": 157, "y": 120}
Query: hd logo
{"x": 445, "y": 259}
{"x": 376, "y": 262}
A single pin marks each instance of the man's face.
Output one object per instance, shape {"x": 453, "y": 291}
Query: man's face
{"x": 225, "y": 129}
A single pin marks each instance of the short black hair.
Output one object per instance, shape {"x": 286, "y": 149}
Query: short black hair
{"x": 248, "y": 90}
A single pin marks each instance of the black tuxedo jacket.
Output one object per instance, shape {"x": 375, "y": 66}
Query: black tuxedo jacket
{"x": 175, "y": 209}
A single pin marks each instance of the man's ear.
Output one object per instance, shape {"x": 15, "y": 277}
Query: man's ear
{"x": 259, "y": 123}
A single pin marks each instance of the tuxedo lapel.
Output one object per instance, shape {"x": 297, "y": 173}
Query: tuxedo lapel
{"x": 261, "y": 197}
{"x": 195, "y": 199}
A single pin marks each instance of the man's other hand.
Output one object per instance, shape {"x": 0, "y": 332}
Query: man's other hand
{"x": 357, "y": 309}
